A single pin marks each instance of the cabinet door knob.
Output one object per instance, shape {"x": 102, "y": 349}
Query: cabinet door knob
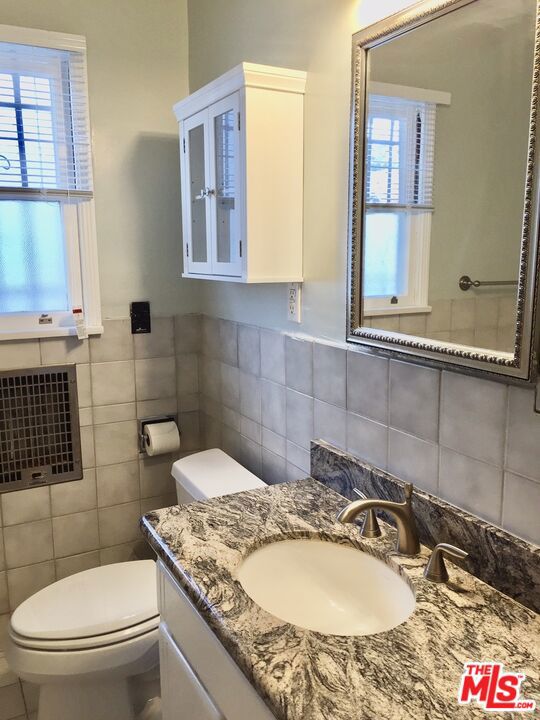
{"x": 205, "y": 192}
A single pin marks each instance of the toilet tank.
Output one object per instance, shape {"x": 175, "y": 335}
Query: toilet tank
{"x": 209, "y": 474}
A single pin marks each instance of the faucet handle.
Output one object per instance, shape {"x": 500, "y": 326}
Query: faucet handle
{"x": 435, "y": 570}
{"x": 370, "y": 526}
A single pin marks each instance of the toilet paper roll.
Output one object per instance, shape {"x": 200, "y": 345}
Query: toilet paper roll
{"x": 160, "y": 438}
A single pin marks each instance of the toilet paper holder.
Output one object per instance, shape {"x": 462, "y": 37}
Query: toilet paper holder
{"x": 153, "y": 421}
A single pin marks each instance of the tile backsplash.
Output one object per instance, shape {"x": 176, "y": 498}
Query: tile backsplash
{"x": 50, "y": 532}
{"x": 265, "y": 395}
{"x": 495, "y": 556}
{"x": 488, "y": 321}
{"x": 262, "y": 396}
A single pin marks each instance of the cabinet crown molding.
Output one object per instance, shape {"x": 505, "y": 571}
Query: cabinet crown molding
{"x": 244, "y": 75}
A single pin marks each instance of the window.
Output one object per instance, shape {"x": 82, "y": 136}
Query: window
{"x": 398, "y": 199}
{"x": 47, "y": 230}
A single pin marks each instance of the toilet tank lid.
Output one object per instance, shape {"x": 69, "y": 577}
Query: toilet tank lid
{"x": 212, "y": 473}
{"x": 92, "y": 602}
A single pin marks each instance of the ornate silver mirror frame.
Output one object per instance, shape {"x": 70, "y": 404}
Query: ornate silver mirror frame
{"x": 522, "y": 365}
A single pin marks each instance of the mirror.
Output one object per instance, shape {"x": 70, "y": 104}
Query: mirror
{"x": 443, "y": 206}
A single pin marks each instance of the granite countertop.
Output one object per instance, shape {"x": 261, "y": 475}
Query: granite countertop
{"x": 411, "y": 672}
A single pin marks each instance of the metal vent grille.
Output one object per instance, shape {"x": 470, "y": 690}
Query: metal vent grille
{"x": 39, "y": 427}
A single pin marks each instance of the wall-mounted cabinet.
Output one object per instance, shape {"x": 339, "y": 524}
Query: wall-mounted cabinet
{"x": 241, "y": 149}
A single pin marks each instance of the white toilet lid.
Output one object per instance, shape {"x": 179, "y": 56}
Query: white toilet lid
{"x": 93, "y": 602}
{"x": 213, "y": 473}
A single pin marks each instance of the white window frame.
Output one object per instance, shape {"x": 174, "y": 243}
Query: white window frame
{"x": 419, "y": 234}
{"x": 419, "y": 230}
{"x": 79, "y": 230}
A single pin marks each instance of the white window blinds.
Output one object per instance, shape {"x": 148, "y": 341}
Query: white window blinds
{"x": 44, "y": 127}
{"x": 400, "y": 152}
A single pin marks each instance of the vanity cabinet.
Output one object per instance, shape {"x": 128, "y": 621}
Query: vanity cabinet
{"x": 241, "y": 149}
{"x": 180, "y": 687}
{"x": 199, "y": 679}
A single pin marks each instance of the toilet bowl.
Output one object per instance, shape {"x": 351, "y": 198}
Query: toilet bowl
{"x": 89, "y": 639}
{"x": 82, "y": 639}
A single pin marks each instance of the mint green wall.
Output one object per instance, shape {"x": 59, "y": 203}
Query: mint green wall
{"x": 315, "y": 35}
{"x": 137, "y": 69}
{"x": 311, "y": 35}
{"x": 481, "y": 137}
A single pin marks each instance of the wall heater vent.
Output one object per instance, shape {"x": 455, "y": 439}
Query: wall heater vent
{"x": 40, "y": 441}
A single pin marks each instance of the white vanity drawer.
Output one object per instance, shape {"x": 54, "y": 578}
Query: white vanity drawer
{"x": 228, "y": 687}
{"x": 182, "y": 695}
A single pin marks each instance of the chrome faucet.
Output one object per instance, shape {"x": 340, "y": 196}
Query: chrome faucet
{"x": 407, "y": 534}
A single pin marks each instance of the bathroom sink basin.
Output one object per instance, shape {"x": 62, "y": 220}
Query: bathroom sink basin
{"x": 323, "y": 586}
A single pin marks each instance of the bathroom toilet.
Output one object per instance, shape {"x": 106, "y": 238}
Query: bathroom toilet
{"x": 90, "y": 639}
{"x": 82, "y": 638}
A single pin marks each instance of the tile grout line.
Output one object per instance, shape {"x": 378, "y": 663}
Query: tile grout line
{"x": 505, "y": 455}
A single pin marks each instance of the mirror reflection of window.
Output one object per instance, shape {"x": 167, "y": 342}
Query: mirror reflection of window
{"x": 400, "y": 142}
{"x": 444, "y": 179}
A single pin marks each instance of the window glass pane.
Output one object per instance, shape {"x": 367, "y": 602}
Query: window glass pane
{"x": 6, "y": 88}
{"x": 35, "y": 90}
{"x": 8, "y": 123}
{"x": 37, "y": 125}
{"x": 379, "y": 187}
{"x": 40, "y": 164}
{"x": 383, "y": 160}
{"x": 379, "y": 155}
{"x": 9, "y": 162}
{"x": 385, "y": 254}
{"x": 381, "y": 128}
{"x": 33, "y": 273}
{"x": 45, "y": 90}
{"x": 39, "y": 148}
{"x": 406, "y": 128}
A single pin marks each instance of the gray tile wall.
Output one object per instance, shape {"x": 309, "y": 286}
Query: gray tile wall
{"x": 50, "y": 532}
{"x": 261, "y": 396}
{"x": 476, "y": 443}
{"x": 488, "y": 321}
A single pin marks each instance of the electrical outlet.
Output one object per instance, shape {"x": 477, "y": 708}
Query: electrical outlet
{"x": 295, "y": 302}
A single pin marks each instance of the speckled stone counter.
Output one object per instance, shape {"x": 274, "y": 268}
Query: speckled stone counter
{"x": 411, "y": 672}
{"x": 498, "y": 558}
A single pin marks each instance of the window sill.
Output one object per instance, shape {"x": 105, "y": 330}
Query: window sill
{"x": 396, "y": 310}
{"x": 46, "y": 333}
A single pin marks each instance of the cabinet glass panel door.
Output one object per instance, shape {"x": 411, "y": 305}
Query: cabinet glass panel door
{"x": 224, "y": 139}
{"x": 198, "y": 220}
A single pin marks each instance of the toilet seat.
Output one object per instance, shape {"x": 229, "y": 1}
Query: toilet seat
{"x": 125, "y": 658}
{"x": 86, "y": 643}
{"x": 88, "y": 625}
{"x": 96, "y": 607}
